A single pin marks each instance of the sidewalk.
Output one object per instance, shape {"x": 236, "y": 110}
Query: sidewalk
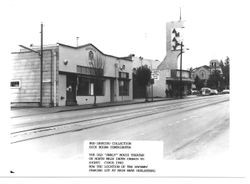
{"x": 27, "y": 111}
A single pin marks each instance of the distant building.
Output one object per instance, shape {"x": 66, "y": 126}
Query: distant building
{"x": 69, "y": 76}
{"x": 203, "y": 72}
{"x": 215, "y": 65}
{"x": 140, "y": 61}
{"x": 139, "y": 91}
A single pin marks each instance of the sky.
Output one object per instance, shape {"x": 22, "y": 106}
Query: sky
{"x": 123, "y": 27}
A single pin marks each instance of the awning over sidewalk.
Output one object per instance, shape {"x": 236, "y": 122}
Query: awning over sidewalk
{"x": 178, "y": 79}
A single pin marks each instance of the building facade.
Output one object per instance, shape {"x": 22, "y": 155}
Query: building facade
{"x": 204, "y": 72}
{"x": 215, "y": 65}
{"x": 71, "y": 76}
{"x": 169, "y": 73}
{"x": 140, "y": 61}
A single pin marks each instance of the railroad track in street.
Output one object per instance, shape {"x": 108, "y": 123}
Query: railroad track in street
{"x": 35, "y": 118}
{"x": 81, "y": 124}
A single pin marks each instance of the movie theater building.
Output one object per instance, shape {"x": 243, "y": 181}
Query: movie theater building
{"x": 70, "y": 76}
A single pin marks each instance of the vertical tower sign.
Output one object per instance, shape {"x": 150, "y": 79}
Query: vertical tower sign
{"x": 176, "y": 38}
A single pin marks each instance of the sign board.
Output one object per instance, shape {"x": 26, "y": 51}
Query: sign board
{"x": 176, "y": 38}
{"x": 155, "y": 74}
{"x": 46, "y": 80}
{"x": 91, "y": 88}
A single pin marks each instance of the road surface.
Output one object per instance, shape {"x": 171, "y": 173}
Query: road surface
{"x": 190, "y": 128}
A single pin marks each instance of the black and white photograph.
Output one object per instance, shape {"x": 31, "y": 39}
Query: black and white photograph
{"x": 121, "y": 89}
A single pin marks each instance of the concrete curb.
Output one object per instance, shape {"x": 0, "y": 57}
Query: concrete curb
{"x": 83, "y": 107}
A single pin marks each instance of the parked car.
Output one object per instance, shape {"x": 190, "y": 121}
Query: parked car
{"x": 205, "y": 91}
{"x": 225, "y": 91}
{"x": 213, "y": 92}
{"x": 194, "y": 92}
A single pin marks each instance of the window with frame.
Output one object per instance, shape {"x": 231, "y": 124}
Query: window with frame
{"x": 124, "y": 88}
{"x": 85, "y": 87}
{"x": 203, "y": 75}
{"x": 123, "y": 75}
{"x": 91, "y": 55}
{"x": 98, "y": 87}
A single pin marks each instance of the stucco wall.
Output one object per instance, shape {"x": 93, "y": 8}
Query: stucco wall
{"x": 159, "y": 86}
{"x": 62, "y": 90}
{"x": 149, "y": 62}
{"x": 73, "y": 56}
{"x": 198, "y": 72}
{"x": 170, "y": 61}
{"x": 80, "y": 56}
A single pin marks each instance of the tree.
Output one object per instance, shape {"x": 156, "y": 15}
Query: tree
{"x": 199, "y": 83}
{"x": 225, "y": 67}
{"x": 142, "y": 77}
{"x": 215, "y": 80}
{"x": 96, "y": 64}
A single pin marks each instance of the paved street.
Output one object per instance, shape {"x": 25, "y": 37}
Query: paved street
{"x": 190, "y": 128}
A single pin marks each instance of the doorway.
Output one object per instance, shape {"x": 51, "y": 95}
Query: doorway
{"x": 71, "y": 90}
{"x": 112, "y": 91}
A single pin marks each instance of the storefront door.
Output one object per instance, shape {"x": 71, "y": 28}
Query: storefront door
{"x": 71, "y": 90}
{"x": 112, "y": 92}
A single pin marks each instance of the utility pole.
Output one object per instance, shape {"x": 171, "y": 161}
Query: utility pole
{"x": 77, "y": 38}
{"x": 41, "y": 69}
{"x": 216, "y": 84}
{"x": 141, "y": 59}
{"x": 181, "y": 71}
{"x": 152, "y": 92}
{"x": 152, "y": 82}
{"x": 180, "y": 14}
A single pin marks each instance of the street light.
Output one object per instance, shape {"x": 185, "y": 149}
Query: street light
{"x": 181, "y": 71}
{"x": 176, "y": 43}
{"x": 141, "y": 59}
{"x": 122, "y": 82}
{"x": 180, "y": 90}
